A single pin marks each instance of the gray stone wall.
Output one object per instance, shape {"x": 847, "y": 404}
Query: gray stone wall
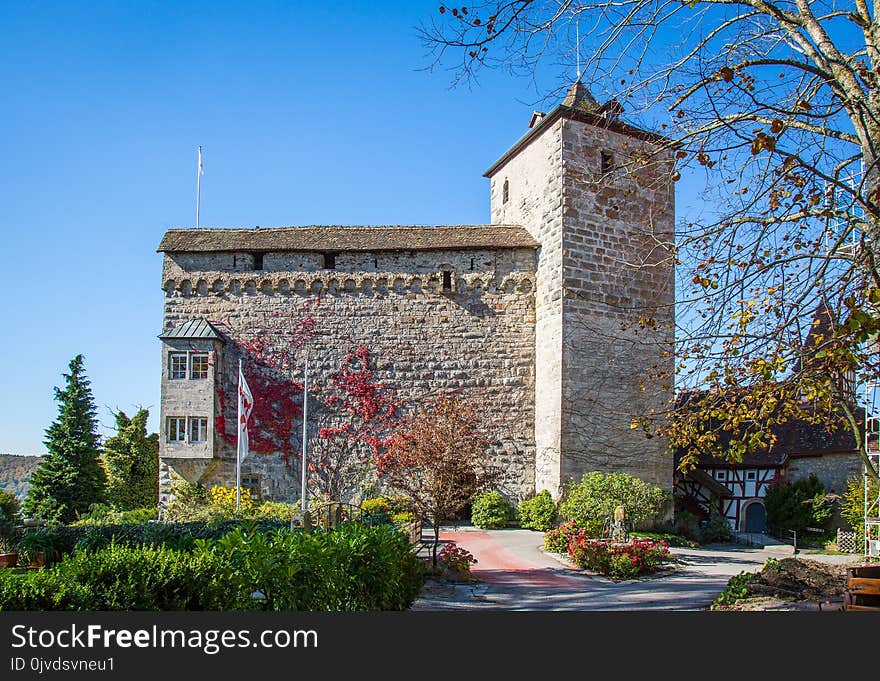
{"x": 617, "y": 272}
{"x": 833, "y": 469}
{"x": 478, "y": 339}
{"x": 601, "y": 267}
{"x": 534, "y": 200}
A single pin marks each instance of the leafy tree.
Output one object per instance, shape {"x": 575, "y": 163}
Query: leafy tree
{"x": 70, "y": 478}
{"x": 797, "y": 505}
{"x": 772, "y": 111}
{"x": 132, "y": 460}
{"x": 852, "y": 505}
{"x": 592, "y": 500}
{"x": 439, "y": 458}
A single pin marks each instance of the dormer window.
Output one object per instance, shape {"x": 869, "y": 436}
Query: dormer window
{"x": 329, "y": 261}
{"x": 505, "y": 192}
{"x": 606, "y": 161}
{"x": 258, "y": 261}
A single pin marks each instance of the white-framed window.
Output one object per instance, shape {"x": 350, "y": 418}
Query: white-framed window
{"x": 198, "y": 363}
{"x": 176, "y": 365}
{"x": 176, "y": 429}
{"x": 198, "y": 429}
{"x": 751, "y": 475}
{"x": 721, "y": 475}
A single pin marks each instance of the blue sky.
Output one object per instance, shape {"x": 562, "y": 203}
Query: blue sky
{"x": 309, "y": 113}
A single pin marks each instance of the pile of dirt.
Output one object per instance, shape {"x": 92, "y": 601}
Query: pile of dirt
{"x": 800, "y": 579}
{"x": 792, "y": 584}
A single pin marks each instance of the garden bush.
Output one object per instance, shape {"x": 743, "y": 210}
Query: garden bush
{"x": 538, "y": 513}
{"x": 457, "y": 560}
{"x": 798, "y": 505}
{"x": 715, "y": 530}
{"x": 350, "y": 568}
{"x": 558, "y": 539}
{"x": 852, "y": 505}
{"x": 619, "y": 560}
{"x": 592, "y": 500}
{"x": 490, "y": 510}
{"x": 101, "y": 514}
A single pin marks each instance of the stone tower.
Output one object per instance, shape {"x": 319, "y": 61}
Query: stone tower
{"x": 597, "y": 195}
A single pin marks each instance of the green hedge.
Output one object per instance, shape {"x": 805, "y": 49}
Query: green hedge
{"x": 538, "y": 513}
{"x": 490, "y": 510}
{"x": 350, "y": 568}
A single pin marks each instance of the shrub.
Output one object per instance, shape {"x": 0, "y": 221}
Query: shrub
{"x": 558, "y": 539}
{"x": 402, "y": 518}
{"x": 737, "y": 588}
{"x": 619, "y": 560}
{"x": 221, "y": 502}
{"x": 798, "y": 505}
{"x": 670, "y": 539}
{"x": 100, "y": 514}
{"x": 852, "y": 505}
{"x": 43, "y": 539}
{"x": 490, "y": 510}
{"x": 716, "y": 529}
{"x": 457, "y": 559}
{"x": 538, "y": 513}
{"x": 351, "y": 568}
{"x": 277, "y": 511}
{"x": 593, "y": 499}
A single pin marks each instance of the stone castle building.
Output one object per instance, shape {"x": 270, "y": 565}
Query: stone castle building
{"x": 549, "y": 317}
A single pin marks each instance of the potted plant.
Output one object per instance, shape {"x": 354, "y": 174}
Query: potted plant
{"x": 8, "y": 552}
{"x": 36, "y": 547}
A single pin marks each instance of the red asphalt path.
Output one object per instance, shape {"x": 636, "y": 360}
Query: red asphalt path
{"x": 499, "y": 565}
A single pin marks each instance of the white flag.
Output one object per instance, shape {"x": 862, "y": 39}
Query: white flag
{"x": 201, "y": 167}
{"x": 245, "y": 406}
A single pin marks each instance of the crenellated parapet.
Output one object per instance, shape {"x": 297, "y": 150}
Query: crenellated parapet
{"x": 366, "y": 284}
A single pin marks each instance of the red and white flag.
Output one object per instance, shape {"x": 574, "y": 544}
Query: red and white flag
{"x": 245, "y": 406}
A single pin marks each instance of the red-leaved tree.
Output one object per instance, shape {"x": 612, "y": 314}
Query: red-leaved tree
{"x": 439, "y": 458}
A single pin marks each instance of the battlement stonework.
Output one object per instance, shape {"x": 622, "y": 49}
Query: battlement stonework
{"x": 477, "y": 338}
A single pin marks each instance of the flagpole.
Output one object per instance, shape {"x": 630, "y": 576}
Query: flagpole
{"x": 305, "y": 491}
{"x": 238, "y": 446}
{"x": 198, "y": 186}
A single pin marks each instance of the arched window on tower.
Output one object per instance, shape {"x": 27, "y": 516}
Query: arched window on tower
{"x": 505, "y": 192}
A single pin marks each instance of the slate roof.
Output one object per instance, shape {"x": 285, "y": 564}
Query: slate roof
{"x": 794, "y": 438}
{"x": 194, "y": 328}
{"x": 335, "y": 238}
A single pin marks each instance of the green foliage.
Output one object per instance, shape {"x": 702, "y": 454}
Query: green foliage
{"x": 852, "y": 506}
{"x": 619, "y": 560}
{"x": 590, "y": 502}
{"x": 737, "y": 588}
{"x": 132, "y": 460}
{"x": 189, "y": 502}
{"x": 16, "y": 472}
{"x": 277, "y": 511}
{"x": 70, "y": 479}
{"x": 34, "y": 541}
{"x": 9, "y": 507}
{"x": 670, "y": 539}
{"x": 490, "y": 510}
{"x": 558, "y": 539}
{"x": 101, "y": 515}
{"x": 715, "y": 530}
{"x": 351, "y": 568}
{"x": 538, "y": 513}
{"x": 798, "y": 505}
{"x": 403, "y": 518}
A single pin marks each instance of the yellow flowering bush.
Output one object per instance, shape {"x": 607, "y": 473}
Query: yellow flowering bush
{"x": 221, "y": 501}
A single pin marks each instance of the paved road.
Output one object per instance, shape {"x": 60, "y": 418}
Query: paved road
{"x": 516, "y": 574}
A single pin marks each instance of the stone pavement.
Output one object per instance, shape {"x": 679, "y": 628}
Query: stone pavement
{"x": 516, "y": 573}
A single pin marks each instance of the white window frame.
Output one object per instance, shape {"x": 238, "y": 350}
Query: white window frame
{"x": 195, "y": 426}
{"x": 177, "y": 431}
{"x": 192, "y": 365}
{"x": 171, "y": 357}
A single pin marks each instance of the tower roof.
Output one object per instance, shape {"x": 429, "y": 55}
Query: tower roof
{"x": 580, "y": 105}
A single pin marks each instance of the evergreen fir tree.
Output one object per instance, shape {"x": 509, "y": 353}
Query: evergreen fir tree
{"x": 71, "y": 478}
{"x": 132, "y": 460}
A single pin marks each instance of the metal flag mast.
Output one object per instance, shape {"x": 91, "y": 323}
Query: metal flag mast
{"x": 199, "y": 171}
{"x": 238, "y": 444}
